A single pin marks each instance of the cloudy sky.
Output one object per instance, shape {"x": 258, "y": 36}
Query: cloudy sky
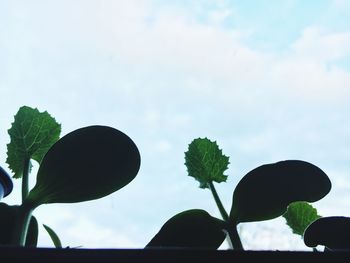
{"x": 268, "y": 80}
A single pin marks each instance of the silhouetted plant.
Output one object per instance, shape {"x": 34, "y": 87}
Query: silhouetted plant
{"x": 86, "y": 164}
{"x": 267, "y": 192}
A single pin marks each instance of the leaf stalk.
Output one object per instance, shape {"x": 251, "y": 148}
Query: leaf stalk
{"x": 218, "y": 202}
{"x": 25, "y": 179}
{"x": 234, "y": 236}
{"x": 234, "y": 239}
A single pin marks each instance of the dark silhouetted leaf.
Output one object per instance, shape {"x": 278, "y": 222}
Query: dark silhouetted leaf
{"x": 190, "y": 229}
{"x": 265, "y": 192}
{"x": 32, "y": 134}
{"x": 54, "y": 237}
{"x": 86, "y": 164}
{"x": 7, "y": 223}
{"x": 299, "y": 216}
{"x": 332, "y": 232}
{"x": 205, "y": 162}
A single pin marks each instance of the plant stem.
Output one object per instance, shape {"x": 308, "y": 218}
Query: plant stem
{"x": 234, "y": 236}
{"x": 218, "y": 202}
{"x": 234, "y": 240}
{"x": 25, "y": 179}
{"x": 21, "y": 225}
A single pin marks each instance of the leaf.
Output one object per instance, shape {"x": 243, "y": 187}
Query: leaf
{"x": 205, "y": 162}
{"x": 32, "y": 134}
{"x": 190, "y": 229}
{"x": 299, "y": 216}
{"x": 265, "y": 192}
{"x": 86, "y": 164}
{"x": 54, "y": 237}
{"x": 7, "y": 223}
{"x": 6, "y": 184}
{"x": 332, "y": 232}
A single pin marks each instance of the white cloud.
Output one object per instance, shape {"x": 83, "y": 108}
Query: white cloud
{"x": 218, "y": 16}
{"x": 318, "y": 45}
{"x": 270, "y": 235}
{"x": 79, "y": 225}
{"x": 90, "y": 234}
{"x": 205, "y": 57}
{"x": 308, "y": 81}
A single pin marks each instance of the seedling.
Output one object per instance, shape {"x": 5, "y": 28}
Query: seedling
{"x": 86, "y": 164}
{"x": 262, "y": 194}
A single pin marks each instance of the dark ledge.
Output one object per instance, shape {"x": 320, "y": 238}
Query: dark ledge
{"x": 51, "y": 255}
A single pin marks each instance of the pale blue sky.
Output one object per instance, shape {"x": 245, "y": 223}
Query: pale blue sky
{"x": 269, "y": 80}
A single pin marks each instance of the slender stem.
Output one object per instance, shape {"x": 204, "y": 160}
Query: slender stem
{"x": 234, "y": 236}
{"x": 218, "y": 202}
{"x": 25, "y": 179}
{"x": 21, "y": 225}
{"x": 234, "y": 239}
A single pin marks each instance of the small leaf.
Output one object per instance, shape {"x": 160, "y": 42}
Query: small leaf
{"x": 54, "y": 237}
{"x": 32, "y": 134}
{"x": 8, "y": 216}
{"x": 190, "y": 229}
{"x": 332, "y": 232}
{"x": 299, "y": 216}
{"x": 86, "y": 164}
{"x": 205, "y": 162}
{"x": 265, "y": 192}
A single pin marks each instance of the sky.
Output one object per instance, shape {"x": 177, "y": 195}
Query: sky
{"x": 268, "y": 80}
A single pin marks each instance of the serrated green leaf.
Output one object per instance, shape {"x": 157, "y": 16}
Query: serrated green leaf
{"x": 193, "y": 228}
{"x": 32, "y": 133}
{"x": 299, "y": 216}
{"x": 265, "y": 192}
{"x": 206, "y": 162}
{"x": 86, "y": 164}
{"x": 54, "y": 237}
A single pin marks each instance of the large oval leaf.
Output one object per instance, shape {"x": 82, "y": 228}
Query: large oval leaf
{"x": 332, "y": 232}
{"x": 86, "y": 164}
{"x": 8, "y": 216}
{"x": 190, "y": 229}
{"x": 265, "y": 192}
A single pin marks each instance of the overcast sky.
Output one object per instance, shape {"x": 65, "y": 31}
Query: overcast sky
{"x": 269, "y": 80}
